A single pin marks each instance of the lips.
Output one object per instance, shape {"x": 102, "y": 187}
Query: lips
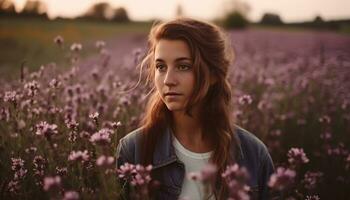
{"x": 172, "y": 94}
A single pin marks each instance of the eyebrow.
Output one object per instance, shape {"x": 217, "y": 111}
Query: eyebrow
{"x": 176, "y": 60}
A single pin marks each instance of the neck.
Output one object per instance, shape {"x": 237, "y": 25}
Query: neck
{"x": 188, "y": 131}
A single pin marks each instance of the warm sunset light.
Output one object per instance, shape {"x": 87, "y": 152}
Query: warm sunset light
{"x": 297, "y": 10}
{"x": 175, "y": 99}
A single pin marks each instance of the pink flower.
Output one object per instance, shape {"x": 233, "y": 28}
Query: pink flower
{"x": 31, "y": 150}
{"x": 20, "y": 174}
{"x": 105, "y": 161}
{"x": 72, "y": 124}
{"x": 245, "y": 100}
{"x": 32, "y": 88}
{"x": 100, "y": 44}
{"x": 45, "y": 129}
{"x": 13, "y": 186}
{"x": 40, "y": 164}
{"x": 325, "y": 119}
{"x": 138, "y": 175}
{"x": 296, "y": 156}
{"x": 234, "y": 172}
{"x": 236, "y": 178}
{"x": 94, "y": 115}
{"x": 282, "y": 179}
{"x": 17, "y": 164}
{"x": 311, "y": 179}
{"x": 11, "y": 96}
{"x": 209, "y": 172}
{"x": 54, "y": 83}
{"x": 71, "y": 195}
{"x": 313, "y": 197}
{"x": 76, "y": 47}
{"x": 79, "y": 156}
{"x": 61, "y": 171}
{"x": 102, "y": 137}
{"x": 52, "y": 183}
{"x": 58, "y": 40}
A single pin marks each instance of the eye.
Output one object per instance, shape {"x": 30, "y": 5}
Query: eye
{"x": 160, "y": 67}
{"x": 184, "y": 67}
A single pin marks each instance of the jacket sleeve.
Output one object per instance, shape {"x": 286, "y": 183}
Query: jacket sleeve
{"x": 122, "y": 157}
{"x": 266, "y": 170}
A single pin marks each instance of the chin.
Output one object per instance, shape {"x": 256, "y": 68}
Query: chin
{"x": 173, "y": 107}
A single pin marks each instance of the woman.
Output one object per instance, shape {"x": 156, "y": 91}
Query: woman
{"x": 188, "y": 120}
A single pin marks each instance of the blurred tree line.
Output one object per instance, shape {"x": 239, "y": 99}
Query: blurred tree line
{"x": 35, "y": 8}
{"x": 235, "y": 16}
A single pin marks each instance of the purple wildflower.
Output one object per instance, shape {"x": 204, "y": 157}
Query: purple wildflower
{"x": 54, "y": 83}
{"x": 138, "y": 175}
{"x": 52, "y": 183}
{"x": 13, "y": 186}
{"x": 296, "y": 156}
{"x": 61, "y": 171}
{"x": 45, "y": 129}
{"x": 325, "y": 119}
{"x": 79, "y": 156}
{"x": 31, "y": 150}
{"x": 72, "y": 124}
{"x": 11, "y": 96}
{"x": 102, "y": 137}
{"x": 282, "y": 179}
{"x": 100, "y": 44}
{"x": 76, "y": 47}
{"x": 40, "y": 164}
{"x": 313, "y": 197}
{"x": 94, "y": 116}
{"x": 32, "y": 88}
{"x": 105, "y": 161}
{"x": 18, "y": 168}
{"x": 245, "y": 100}
{"x": 236, "y": 178}
{"x": 311, "y": 179}
{"x": 17, "y": 164}
{"x": 71, "y": 195}
{"x": 58, "y": 40}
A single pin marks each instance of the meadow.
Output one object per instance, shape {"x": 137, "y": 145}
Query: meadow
{"x": 61, "y": 119}
{"x": 30, "y": 40}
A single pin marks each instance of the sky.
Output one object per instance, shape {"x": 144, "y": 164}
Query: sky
{"x": 290, "y": 11}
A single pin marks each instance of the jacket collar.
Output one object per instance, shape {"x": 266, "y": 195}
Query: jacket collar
{"x": 165, "y": 153}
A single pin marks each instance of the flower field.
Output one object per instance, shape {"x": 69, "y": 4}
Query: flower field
{"x": 59, "y": 129}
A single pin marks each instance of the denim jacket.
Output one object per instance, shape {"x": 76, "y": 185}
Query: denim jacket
{"x": 170, "y": 171}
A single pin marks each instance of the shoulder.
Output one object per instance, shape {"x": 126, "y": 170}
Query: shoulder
{"x": 253, "y": 151}
{"x": 129, "y": 146}
{"x": 250, "y": 143}
{"x": 256, "y": 158}
{"x": 132, "y": 137}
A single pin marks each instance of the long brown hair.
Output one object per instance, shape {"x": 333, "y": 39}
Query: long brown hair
{"x": 211, "y": 56}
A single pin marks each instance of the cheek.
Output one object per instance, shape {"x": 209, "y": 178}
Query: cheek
{"x": 190, "y": 81}
{"x": 158, "y": 82}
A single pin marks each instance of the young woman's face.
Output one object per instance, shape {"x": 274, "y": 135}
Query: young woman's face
{"x": 174, "y": 75}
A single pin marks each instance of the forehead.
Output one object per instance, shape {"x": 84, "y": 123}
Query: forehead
{"x": 169, "y": 50}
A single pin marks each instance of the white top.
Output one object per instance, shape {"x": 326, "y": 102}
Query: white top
{"x": 194, "y": 162}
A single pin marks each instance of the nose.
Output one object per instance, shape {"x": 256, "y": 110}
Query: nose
{"x": 170, "y": 78}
